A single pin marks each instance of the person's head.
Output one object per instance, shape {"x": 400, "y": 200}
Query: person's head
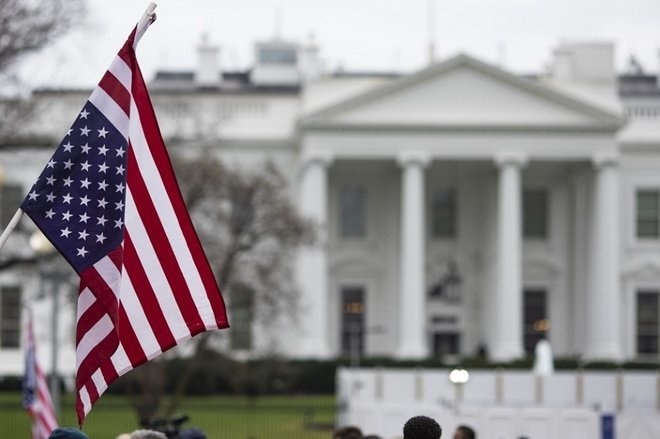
{"x": 67, "y": 433}
{"x": 147, "y": 434}
{"x": 464, "y": 432}
{"x": 421, "y": 427}
{"x": 349, "y": 432}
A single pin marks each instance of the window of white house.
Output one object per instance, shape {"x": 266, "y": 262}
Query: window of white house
{"x": 647, "y": 322}
{"x": 535, "y": 318}
{"x": 443, "y": 213}
{"x": 353, "y": 211}
{"x": 648, "y": 213}
{"x": 535, "y": 213}
{"x": 446, "y": 343}
{"x": 279, "y": 55}
{"x": 10, "y": 317}
{"x": 352, "y": 321}
{"x": 11, "y": 196}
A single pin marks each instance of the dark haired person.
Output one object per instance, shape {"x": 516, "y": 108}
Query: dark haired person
{"x": 464, "y": 432}
{"x": 421, "y": 427}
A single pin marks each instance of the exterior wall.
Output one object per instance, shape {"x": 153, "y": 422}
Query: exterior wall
{"x": 640, "y": 257}
{"x": 371, "y": 262}
{"x": 213, "y": 116}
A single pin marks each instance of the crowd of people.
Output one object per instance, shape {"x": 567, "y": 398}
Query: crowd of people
{"x": 74, "y": 433}
{"x": 417, "y": 427}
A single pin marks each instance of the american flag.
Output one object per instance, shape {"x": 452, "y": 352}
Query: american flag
{"x": 108, "y": 200}
{"x": 36, "y": 397}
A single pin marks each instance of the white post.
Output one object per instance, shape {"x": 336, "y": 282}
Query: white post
{"x": 507, "y": 306}
{"x": 312, "y": 267}
{"x": 10, "y": 227}
{"x": 412, "y": 320}
{"x": 603, "y": 299}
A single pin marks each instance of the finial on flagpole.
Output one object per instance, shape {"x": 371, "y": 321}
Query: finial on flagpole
{"x": 148, "y": 17}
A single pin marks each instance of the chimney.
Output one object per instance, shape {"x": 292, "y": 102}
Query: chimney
{"x": 209, "y": 73}
{"x": 585, "y": 62}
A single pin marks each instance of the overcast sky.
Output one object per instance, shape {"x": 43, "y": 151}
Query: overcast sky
{"x": 382, "y": 35}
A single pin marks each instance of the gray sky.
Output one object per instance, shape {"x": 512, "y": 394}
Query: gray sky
{"x": 390, "y": 35}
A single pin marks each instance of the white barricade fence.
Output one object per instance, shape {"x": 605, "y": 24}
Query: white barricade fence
{"x": 503, "y": 404}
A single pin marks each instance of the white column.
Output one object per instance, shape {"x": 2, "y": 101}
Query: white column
{"x": 603, "y": 283}
{"x": 312, "y": 267}
{"x": 507, "y": 307}
{"x": 412, "y": 317}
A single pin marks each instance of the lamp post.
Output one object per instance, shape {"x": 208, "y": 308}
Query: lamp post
{"x": 458, "y": 377}
{"x": 43, "y": 248}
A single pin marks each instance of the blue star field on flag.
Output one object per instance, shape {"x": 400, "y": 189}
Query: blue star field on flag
{"x": 78, "y": 200}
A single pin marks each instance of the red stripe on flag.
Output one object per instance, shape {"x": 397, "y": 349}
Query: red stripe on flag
{"x": 147, "y": 296}
{"x": 93, "y": 393}
{"x": 90, "y": 278}
{"x": 88, "y": 319}
{"x": 116, "y": 90}
{"x": 96, "y": 357}
{"x": 130, "y": 341}
{"x": 159, "y": 240}
{"x": 109, "y": 371}
{"x": 164, "y": 165}
{"x": 127, "y": 53}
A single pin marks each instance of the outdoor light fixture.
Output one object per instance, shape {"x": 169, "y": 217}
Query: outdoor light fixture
{"x": 40, "y": 244}
{"x": 459, "y": 376}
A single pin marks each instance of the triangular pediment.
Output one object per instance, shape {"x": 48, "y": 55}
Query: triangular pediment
{"x": 464, "y": 92}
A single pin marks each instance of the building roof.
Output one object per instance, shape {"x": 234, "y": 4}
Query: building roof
{"x": 638, "y": 85}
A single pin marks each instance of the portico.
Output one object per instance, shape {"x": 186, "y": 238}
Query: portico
{"x": 396, "y": 142}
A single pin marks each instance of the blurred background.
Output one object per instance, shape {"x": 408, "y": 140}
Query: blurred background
{"x": 425, "y": 207}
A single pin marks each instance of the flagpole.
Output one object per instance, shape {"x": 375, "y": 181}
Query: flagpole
{"x": 147, "y": 18}
{"x": 10, "y": 227}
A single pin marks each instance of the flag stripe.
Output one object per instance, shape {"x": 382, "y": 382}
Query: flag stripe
{"x": 99, "y": 383}
{"x": 116, "y": 90}
{"x": 146, "y": 211}
{"x": 148, "y": 299}
{"x": 85, "y": 300}
{"x": 111, "y": 110}
{"x": 119, "y": 361}
{"x": 101, "y": 328}
{"x": 97, "y": 284}
{"x": 137, "y": 318}
{"x": 109, "y": 372}
{"x": 154, "y": 273}
{"x": 87, "y": 365}
{"x": 163, "y": 166}
{"x": 130, "y": 341}
{"x": 86, "y": 323}
{"x": 122, "y": 72}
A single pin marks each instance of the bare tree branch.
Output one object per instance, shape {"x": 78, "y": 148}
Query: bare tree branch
{"x": 27, "y": 26}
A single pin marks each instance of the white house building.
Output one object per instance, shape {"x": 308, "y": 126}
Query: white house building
{"x": 464, "y": 209}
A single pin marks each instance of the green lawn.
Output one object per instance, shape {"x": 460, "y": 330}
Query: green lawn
{"x": 269, "y": 417}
